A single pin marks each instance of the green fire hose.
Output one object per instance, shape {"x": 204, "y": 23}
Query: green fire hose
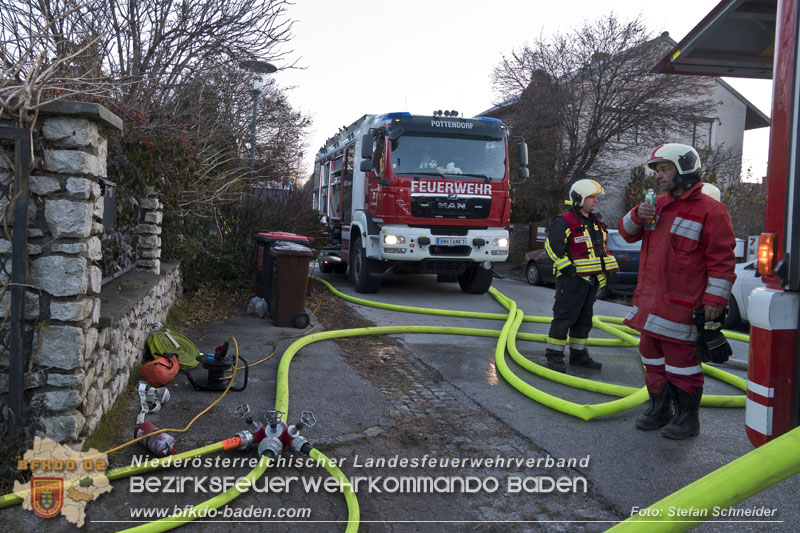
{"x": 507, "y": 337}
{"x": 166, "y": 341}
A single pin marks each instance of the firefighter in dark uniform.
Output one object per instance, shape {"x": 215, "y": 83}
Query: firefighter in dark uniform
{"x": 577, "y": 245}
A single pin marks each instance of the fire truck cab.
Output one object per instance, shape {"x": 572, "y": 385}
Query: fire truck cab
{"x": 416, "y": 194}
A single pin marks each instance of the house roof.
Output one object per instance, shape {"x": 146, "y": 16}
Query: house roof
{"x": 754, "y": 117}
{"x": 664, "y": 37}
{"x": 499, "y": 107}
{"x": 736, "y": 38}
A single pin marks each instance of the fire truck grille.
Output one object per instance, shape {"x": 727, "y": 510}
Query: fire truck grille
{"x": 452, "y": 251}
{"x": 434, "y": 266}
{"x": 450, "y": 207}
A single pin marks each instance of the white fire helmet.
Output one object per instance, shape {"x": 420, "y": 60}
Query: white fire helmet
{"x": 713, "y": 191}
{"x": 684, "y": 157}
{"x": 582, "y": 189}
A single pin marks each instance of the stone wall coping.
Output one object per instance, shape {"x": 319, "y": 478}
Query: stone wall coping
{"x": 96, "y": 112}
{"x": 118, "y": 296}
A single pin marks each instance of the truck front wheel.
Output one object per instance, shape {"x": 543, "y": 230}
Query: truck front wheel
{"x": 361, "y": 267}
{"x": 475, "y": 279}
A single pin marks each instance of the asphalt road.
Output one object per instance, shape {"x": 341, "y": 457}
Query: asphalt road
{"x": 416, "y": 396}
{"x": 628, "y": 467}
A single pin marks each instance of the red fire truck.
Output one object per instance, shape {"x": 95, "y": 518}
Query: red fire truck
{"x": 759, "y": 39}
{"x": 416, "y": 194}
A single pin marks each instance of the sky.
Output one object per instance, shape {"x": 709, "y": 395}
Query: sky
{"x": 369, "y": 57}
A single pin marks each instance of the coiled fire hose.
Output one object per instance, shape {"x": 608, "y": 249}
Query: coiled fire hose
{"x": 166, "y": 341}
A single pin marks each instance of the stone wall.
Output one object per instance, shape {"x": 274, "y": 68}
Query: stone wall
{"x": 130, "y": 304}
{"x": 80, "y": 363}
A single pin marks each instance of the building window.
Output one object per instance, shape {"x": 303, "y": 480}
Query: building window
{"x": 701, "y": 133}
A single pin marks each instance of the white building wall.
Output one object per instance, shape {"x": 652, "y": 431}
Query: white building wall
{"x": 728, "y": 131}
{"x": 731, "y": 113}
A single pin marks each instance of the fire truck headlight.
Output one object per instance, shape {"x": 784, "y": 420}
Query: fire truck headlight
{"x": 393, "y": 239}
{"x": 502, "y": 242}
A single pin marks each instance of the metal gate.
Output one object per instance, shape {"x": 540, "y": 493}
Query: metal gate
{"x": 13, "y": 275}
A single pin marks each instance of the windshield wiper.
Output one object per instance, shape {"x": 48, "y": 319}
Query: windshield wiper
{"x": 445, "y": 174}
{"x": 484, "y": 176}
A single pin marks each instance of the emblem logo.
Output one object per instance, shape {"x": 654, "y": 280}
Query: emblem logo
{"x": 452, "y": 205}
{"x": 47, "y": 495}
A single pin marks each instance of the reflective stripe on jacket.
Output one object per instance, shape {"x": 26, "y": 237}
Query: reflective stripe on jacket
{"x": 572, "y": 245}
{"x": 687, "y": 261}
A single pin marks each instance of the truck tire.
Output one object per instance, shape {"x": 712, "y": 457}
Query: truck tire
{"x": 475, "y": 279}
{"x": 361, "y": 267}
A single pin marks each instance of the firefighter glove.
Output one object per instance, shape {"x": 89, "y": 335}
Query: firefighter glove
{"x": 711, "y": 344}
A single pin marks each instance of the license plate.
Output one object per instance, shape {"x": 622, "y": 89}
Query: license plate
{"x": 451, "y": 241}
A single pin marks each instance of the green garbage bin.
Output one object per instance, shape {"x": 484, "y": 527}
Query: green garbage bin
{"x": 289, "y": 284}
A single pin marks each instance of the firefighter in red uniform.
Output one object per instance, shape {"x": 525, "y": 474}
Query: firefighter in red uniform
{"x": 576, "y": 243}
{"x": 686, "y": 264}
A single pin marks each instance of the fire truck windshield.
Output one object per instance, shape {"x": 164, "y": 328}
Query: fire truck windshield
{"x": 451, "y": 157}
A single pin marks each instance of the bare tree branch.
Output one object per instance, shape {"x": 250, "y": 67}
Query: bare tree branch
{"x": 588, "y": 91}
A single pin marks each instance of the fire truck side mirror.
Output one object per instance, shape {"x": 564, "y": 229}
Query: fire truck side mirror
{"x": 366, "y": 165}
{"x": 523, "y": 154}
{"x": 366, "y": 148}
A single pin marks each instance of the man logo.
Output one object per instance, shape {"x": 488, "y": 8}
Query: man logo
{"x": 452, "y": 205}
{"x": 47, "y": 495}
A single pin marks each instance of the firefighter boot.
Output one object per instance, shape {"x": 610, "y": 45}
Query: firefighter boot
{"x": 660, "y": 411}
{"x": 555, "y": 361}
{"x": 581, "y": 358}
{"x": 686, "y": 422}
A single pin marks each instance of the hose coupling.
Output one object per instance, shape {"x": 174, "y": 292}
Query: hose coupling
{"x": 270, "y": 447}
{"x": 300, "y": 445}
{"x": 247, "y": 439}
